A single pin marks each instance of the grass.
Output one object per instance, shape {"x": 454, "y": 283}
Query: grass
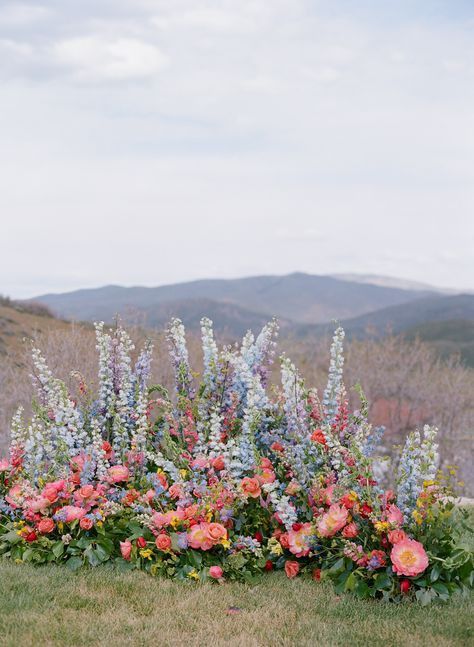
{"x": 51, "y": 606}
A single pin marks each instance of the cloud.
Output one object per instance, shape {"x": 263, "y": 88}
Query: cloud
{"x": 19, "y": 14}
{"x": 95, "y": 58}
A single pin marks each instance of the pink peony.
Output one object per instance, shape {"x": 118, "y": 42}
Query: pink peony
{"x": 70, "y": 513}
{"x": 216, "y": 572}
{"x": 4, "y": 465}
{"x": 409, "y": 558}
{"x": 332, "y": 521}
{"x": 299, "y": 540}
{"x": 394, "y": 515}
{"x": 14, "y": 496}
{"x": 118, "y": 473}
{"x": 126, "y": 549}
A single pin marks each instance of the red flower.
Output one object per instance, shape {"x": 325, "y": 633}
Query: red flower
{"x": 31, "y": 536}
{"x": 258, "y": 536}
{"x": 405, "y": 586}
{"x": 316, "y": 574}
{"x": 141, "y": 542}
{"x": 268, "y": 565}
{"x": 318, "y": 437}
{"x": 297, "y": 526}
{"x": 276, "y": 447}
{"x": 365, "y": 510}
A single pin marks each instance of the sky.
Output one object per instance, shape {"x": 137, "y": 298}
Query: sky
{"x": 145, "y": 142}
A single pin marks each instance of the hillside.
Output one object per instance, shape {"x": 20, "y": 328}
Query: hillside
{"x": 448, "y": 337}
{"x": 17, "y": 324}
{"x": 301, "y": 298}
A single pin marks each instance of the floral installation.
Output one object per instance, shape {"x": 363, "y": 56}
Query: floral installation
{"x": 226, "y": 478}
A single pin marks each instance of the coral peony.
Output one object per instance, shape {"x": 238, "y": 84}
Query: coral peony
{"x": 199, "y": 538}
{"x": 291, "y": 569}
{"x": 299, "y": 541}
{"x": 332, "y": 521}
{"x": 409, "y": 558}
{"x": 70, "y": 513}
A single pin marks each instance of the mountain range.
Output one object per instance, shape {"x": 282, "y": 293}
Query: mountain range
{"x": 305, "y": 305}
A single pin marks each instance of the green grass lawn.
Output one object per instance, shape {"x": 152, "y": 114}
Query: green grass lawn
{"x": 51, "y": 606}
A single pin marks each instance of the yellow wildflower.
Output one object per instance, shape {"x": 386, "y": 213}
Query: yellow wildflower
{"x": 225, "y": 543}
{"x": 146, "y": 553}
{"x": 275, "y": 546}
{"x": 194, "y": 575}
{"x": 381, "y": 526}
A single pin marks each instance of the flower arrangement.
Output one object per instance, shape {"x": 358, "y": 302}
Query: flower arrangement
{"x": 222, "y": 480}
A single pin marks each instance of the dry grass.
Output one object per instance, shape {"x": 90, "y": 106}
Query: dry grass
{"x": 50, "y": 606}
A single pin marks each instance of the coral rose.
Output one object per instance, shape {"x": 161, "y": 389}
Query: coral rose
{"x": 332, "y": 521}
{"x": 163, "y": 542}
{"x": 46, "y": 526}
{"x": 216, "y": 572}
{"x": 267, "y": 475}
{"x": 50, "y": 493}
{"x": 216, "y": 532}
{"x": 251, "y": 487}
{"x": 118, "y": 473}
{"x": 291, "y": 569}
{"x": 86, "y": 523}
{"x": 409, "y": 558}
{"x": 126, "y": 549}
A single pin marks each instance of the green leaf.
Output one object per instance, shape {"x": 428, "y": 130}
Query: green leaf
{"x": 440, "y": 588}
{"x": 435, "y": 572}
{"x": 74, "y": 563}
{"x": 58, "y": 549}
{"x": 383, "y": 581}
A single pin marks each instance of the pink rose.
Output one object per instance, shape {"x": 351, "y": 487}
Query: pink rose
{"x": 50, "y": 493}
{"x": 126, "y": 549}
{"x": 409, "y": 558}
{"x": 39, "y": 504}
{"x": 118, "y": 473}
{"x": 291, "y": 569}
{"x": 85, "y": 492}
{"x": 216, "y": 572}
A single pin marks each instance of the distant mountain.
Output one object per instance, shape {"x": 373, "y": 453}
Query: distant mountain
{"x": 299, "y": 298}
{"x": 406, "y": 316}
{"x": 394, "y": 282}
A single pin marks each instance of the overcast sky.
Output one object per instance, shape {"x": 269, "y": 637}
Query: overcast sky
{"x": 154, "y": 141}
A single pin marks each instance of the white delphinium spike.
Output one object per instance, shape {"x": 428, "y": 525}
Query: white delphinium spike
{"x": 333, "y": 391}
